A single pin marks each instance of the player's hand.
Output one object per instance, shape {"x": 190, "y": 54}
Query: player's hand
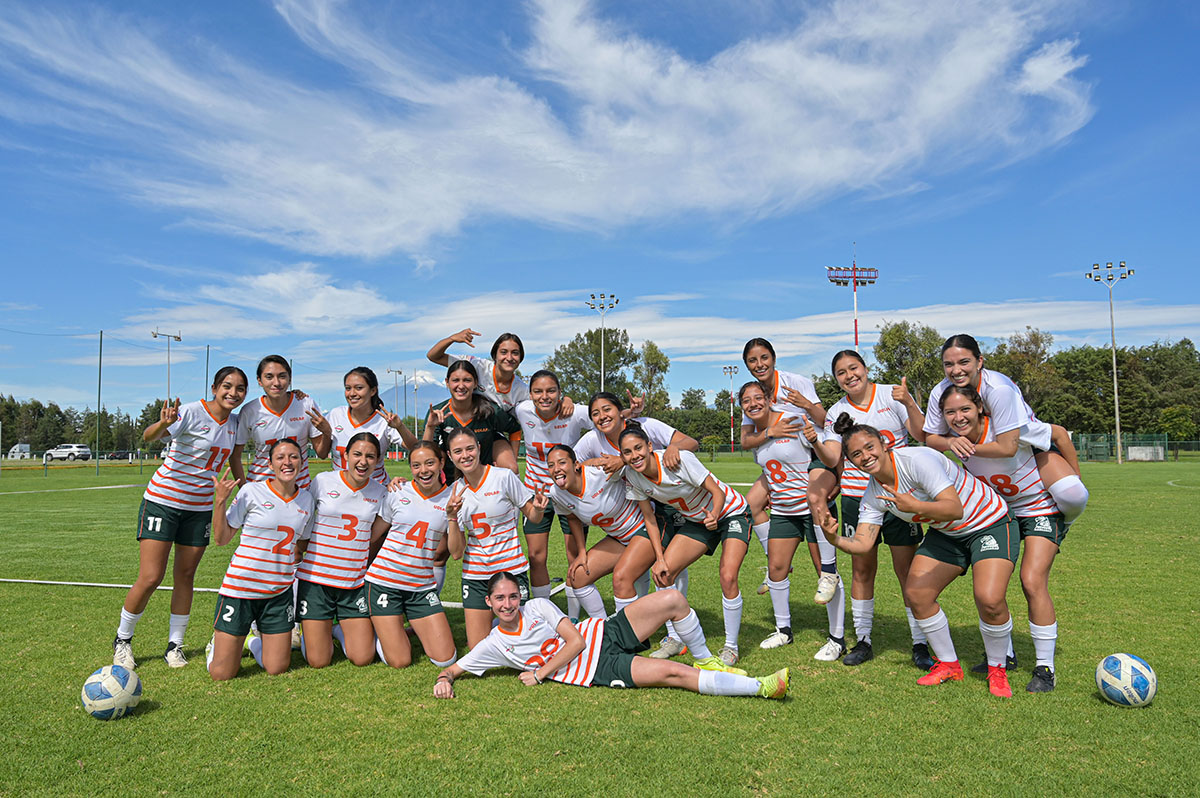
{"x": 827, "y": 523}
{"x": 394, "y": 421}
{"x": 436, "y": 416}
{"x": 637, "y": 404}
{"x": 465, "y": 337}
{"x": 568, "y": 408}
{"x": 904, "y": 502}
{"x": 396, "y": 483}
{"x": 541, "y": 500}
{"x": 528, "y": 678}
{"x": 611, "y": 463}
{"x": 810, "y": 432}
{"x": 710, "y": 520}
{"x": 785, "y": 428}
{"x": 796, "y": 398}
{"x": 299, "y": 394}
{"x": 962, "y": 448}
{"x": 580, "y": 562}
{"x": 901, "y": 393}
{"x": 320, "y": 422}
{"x": 670, "y": 457}
{"x": 455, "y": 502}
{"x": 661, "y": 573}
{"x": 442, "y": 688}
{"x": 168, "y": 414}
{"x": 223, "y": 489}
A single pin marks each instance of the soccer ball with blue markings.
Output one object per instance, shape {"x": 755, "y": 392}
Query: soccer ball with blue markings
{"x": 110, "y": 692}
{"x": 1126, "y": 680}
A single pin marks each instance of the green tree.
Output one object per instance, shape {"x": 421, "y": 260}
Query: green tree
{"x": 1179, "y": 422}
{"x": 577, "y": 363}
{"x": 828, "y": 391}
{"x": 913, "y": 350}
{"x": 722, "y": 401}
{"x": 1025, "y": 358}
{"x": 649, "y": 377}
{"x": 692, "y": 399}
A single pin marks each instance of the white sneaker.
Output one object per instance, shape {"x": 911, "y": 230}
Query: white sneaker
{"x": 781, "y": 637}
{"x": 764, "y": 587}
{"x": 174, "y": 656}
{"x": 830, "y": 651}
{"x": 729, "y": 655}
{"x": 826, "y": 587}
{"x": 296, "y": 637}
{"x": 669, "y": 647}
{"x": 123, "y": 653}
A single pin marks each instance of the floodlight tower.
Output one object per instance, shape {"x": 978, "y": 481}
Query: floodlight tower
{"x": 602, "y": 305}
{"x": 178, "y": 336}
{"x": 729, "y": 371}
{"x": 853, "y": 277}
{"x": 1109, "y": 277}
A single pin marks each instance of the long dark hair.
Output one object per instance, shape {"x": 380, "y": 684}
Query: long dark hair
{"x": 278, "y": 360}
{"x": 516, "y": 339}
{"x": 753, "y": 342}
{"x": 481, "y": 406}
{"x": 962, "y": 341}
{"x": 372, "y": 383}
{"x": 224, "y": 372}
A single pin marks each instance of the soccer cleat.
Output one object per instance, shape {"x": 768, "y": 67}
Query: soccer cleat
{"x": 729, "y": 655}
{"x": 826, "y": 587}
{"x": 920, "y": 656}
{"x": 296, "y": 636}
{"x": 174, "y": 655}
{"x": 1043, "y": 680}
{"x": 831, "y": 651}
{"x": 942, "y": 672}
{"x": 123, "y": 653}
{"x": 779, "y": 638}
{"x": 763, "y": 588}
{"x": 775, "y": 685}
{"x": 997, "y": 680}
{"x": 669, "y": 647}
{"x": 1010, "y": 663}
{"x": 861, "y": 652}
{"x": 715, "y": 664}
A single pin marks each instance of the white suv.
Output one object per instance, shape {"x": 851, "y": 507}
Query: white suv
{"x": 69, "y": 451}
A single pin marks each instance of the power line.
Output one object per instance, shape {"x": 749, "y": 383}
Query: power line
{"x": 49, "y": 335}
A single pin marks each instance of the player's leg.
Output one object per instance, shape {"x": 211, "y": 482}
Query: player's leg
{"x": 1063, "y": 484}
{"x": 318, "y": 642}
{"x": 990, "y": 578}
{"x": 478, "y": 624}
{"x": 927, "y": 578}
{"x": 572, "y": 549}
{"x": 436, "y": 638}
{"x": 1043, "y": 623}
{"x": 682, "y": 552}
{"x": 781, "y": 549}
{"x": 536, "y": 546}
{"x": 648, "y": 672}
{"x": 902, "y": 557}
{"x": 393, "y": 639}
{"x": 733, "y": 552}
{"x": 632, "y": 564}
{"x": 226, "y": 655}
{"x": 758, "y": 500}
{"x": 275, "y": 652}
{"x": 650, "y": 613}
{"x": 152, "y": 566}
{"x": 358, "y": 640}
{"x": 835, "y": 608}
{"x": 862, "y": 604}
{"x": 602, "y": 559}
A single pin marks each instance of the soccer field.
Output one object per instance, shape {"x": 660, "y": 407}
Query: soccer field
{"x": 1128, "y": 579}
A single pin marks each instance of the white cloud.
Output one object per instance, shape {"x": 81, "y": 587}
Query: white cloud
{"x": 594, "y": 126}
{"x": 134, "y": 359}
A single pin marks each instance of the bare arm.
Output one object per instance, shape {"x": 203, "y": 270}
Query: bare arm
{"x": 237, "y": 465}
{"x": 437, "y": 354}
{"x": 444, "y": 686}
{"x": 571, "y": 648}
{"x": 222, "y": 533}
{"x": 168, "y": 414}
{"x": 1062, "y": 439}
{"x": 916, "y": 416}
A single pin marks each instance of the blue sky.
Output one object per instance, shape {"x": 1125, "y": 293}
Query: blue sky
{"x": 346, "y": 182}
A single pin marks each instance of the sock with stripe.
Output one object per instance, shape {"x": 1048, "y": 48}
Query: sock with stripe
{"x": 721, "y": 683}
{"x": 129, "y": 622}
{"x": 692, "y": 635}
{"x": 732, "y": 608}
{"x": 176, "y": 628}
{"x": 997, "y": 641}
{"x": 781, "y": 593}
{"x": 914, "y": 628}
{"x": 863, "y": 612}
{"x": 937, "y": 631}
{"x": 1045, "y": 638}
{"x": 590, "y": 599}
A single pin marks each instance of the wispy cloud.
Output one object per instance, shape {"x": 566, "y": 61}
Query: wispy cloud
{"x": 590, "y": 126}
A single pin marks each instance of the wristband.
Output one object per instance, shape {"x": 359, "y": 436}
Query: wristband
{"x": 535, "y": 677}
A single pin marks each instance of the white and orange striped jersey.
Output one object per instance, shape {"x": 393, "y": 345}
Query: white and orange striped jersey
{"x": 489, "y": 519}
{"x": 924, "y": 473}
{"x": 344, "y": 429}
{"x": 882, "y": 412}
{"x": 1015, "y": 478}
{"x": 601, "y": 502}
{"x": 535, "y": 642}
{"x": 518, "y": 392}
{"x": 784, "y": 462}
{"x": 418, "y": 524}
{"x": 1003, "y": 401}
{"x": 777, "y": 399}
{"x": 199, "y": 447}
{"x": 683, "y": 488}
{"x": 341, "y": 533}
{"x": 264, "y": 563}
{"x": 540, "y": 434}
{"x": 261, "y": 426}
{"x": 594, "y": 444}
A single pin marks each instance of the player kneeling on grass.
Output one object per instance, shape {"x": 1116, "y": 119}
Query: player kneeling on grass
{"x": 258, "y": 582}
{"x": 541, "y": 642}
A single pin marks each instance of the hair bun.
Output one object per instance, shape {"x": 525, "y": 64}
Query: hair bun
{"x": 843, "y": 424}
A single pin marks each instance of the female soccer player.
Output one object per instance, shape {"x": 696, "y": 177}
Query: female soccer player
{"x": 538, "y": 640}
{"x": 278, "y": 414}
{"x": 497, "y": 378}
{"x": 257, "y": 587}
{"x": 892, "y": 410}
{"x": 785, "y": 461}
{"x": 400, "y": 580}
{"x": 334, "y": 557}
{"x": 1041, "y": 522}
{"x": 482, "y": 512}
{"x": 177, "y": 507}
{"x": 1013, "y": 421}
{"x": 969, "y": 527}
{"x": 713, "y": 514}
{"x": 468, "y": 409}
{"x": 363, "y": 412}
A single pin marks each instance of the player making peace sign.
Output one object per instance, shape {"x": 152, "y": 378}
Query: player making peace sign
{"x": 364, "y": 412}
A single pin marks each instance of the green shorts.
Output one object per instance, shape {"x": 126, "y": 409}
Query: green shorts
{"x": 274, "y": 614}
{"x": 383, "y": 600}
{"x": 618, "y": 647}
{"x": 894, "y": 531}
{"x": 797, "y": 526}
{"x": 1001, "y": 541}
{"x": 181, "y": 527}
{"x": 324, "y": 603}
{"x": 475, "y": 590}
{"x": 1051, "y": 527}
{"x": 733, "y": 527}
{"x": 666, "y": 533}
{"x": 543, "y": 527}
{"x": 815, "y": 465}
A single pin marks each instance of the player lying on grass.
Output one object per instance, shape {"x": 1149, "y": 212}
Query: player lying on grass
{"x": 541, "y": 642}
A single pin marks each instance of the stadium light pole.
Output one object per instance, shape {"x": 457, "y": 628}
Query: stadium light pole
{"x": 396, "y": 387}
{"x": 602, "y": 305}
{"x": 729, "y": 372}
{"x": 853, "y": 277}
{"x": 176, "y": 337}
{"x": 1109, "y": 277}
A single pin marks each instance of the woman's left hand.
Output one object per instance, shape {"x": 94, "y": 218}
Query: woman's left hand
{"x": 528, "y": 678}
{"x": 319, "y": 421}
{"x": 568, "y": 408}
{"x": 670, "y": 456}
{"x": 904, "y": 502}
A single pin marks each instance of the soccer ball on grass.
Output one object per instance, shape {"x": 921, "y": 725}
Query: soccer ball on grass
{"x": 1126, "y": 680}
{"x": 110, "y": 692}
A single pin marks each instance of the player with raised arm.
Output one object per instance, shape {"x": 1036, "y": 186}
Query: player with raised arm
{"x": 334, "y": 557}
{"x": 538, "y": 640}
{"x": 257, "y": 587}
{"x": 497, "y": 378}
{"x": 177, "y": 505}
{"x": 469, "y": 409}
{"x": 969, "y": 527}
{"x": 364, "y": 412}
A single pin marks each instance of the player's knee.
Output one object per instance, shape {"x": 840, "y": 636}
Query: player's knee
{"x": 622, "y": 583}
{"x": 992, "y": 609}
{"x": 729, "y": 580}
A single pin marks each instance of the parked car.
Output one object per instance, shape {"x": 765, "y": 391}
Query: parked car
{"x": 120, "y": 454}
{"x": 19, "y": 452}
{"x": 69, "y": 451}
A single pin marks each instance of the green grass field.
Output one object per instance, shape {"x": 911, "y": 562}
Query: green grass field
{"x": 1128, "y": 580}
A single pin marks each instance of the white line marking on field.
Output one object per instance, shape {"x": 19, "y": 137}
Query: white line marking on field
{"x": 1172, "y": 482}
{"x": 68, "y": 490}
{"x": 739, "y": 484}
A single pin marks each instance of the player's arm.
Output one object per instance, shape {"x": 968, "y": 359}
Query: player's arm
{"x": 946, "y": 506}
{"x": 379, "y": 530}
{"x": 535, "y": 508}
{"x": 1005, "y": 445}
{"x": 809, "y": 404}
{"x": 168, "y": 414}
{"x": 579, "y": 534}
{"x": 444, "y": 686}
{"x": 1066, "y": 447}
{"x": 611, "y": 463}
{"x": 437, "y": 354}
{"x": 864, "y": 534}
{"x": 222, "y": 532}
{"x": 237, "y": 466}
{"x": 455, "y": 538}
{"x": 571, "y": 648}
{"x": 915, "y": 420}
{"x": 718, "y": 501}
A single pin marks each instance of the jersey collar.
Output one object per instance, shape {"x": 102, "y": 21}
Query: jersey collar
{"x": 487, "y": 469}
{"x": 870, "y": 401}
{"x": 342, "y": 474}
{"x": 271, "y": 487}
{"x": 263, "y": 401}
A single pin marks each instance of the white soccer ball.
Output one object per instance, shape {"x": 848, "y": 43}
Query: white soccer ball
{"x": 110, "y": 692}
{"x": 1126, "y": 680}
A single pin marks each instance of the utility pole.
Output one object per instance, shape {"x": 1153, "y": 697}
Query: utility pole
{"x": 1109, "y": 277}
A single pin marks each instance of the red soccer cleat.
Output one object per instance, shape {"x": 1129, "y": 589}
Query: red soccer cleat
{"x": 943, "y": 672}
{"x": 997, "y": 679}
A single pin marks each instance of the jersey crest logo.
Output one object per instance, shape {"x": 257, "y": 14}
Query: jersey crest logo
{"x": 1042, "y": 524}
{"x": 988, "y": 543}
{"x": 447, "y": 430}
{"x": 261, "y": 424}
{"x": 268, "y": 505}
{"x": 529, "y": 424}
{"x": 404, "y": 500}
{"x": 333, "y": 494}
{"x": 338, "y": 428}
{"x": 205, "y": 428}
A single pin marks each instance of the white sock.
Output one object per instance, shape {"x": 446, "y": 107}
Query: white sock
{"x": 733, "y": 619}
{"x": 256, "y": 649}
{"x": 621, "y": 603}
{"x": 641, "y": 585}
{"x": 176, "y": 628}
{"x": 681, "y": 582}
{"x": 572, "y": 604}
{"x": 539, "y": 591}
{"x": 590, "y": 599}
{"x": 339, "y": 636}
{"x": 1071, "y": 497}
{"x": 692, "y": 635}
{"x": 453, "y": 659}
{"x": 761, "y": 531}
{"x": 439, "y": 578}
{"x": 937, "y": 632}
{"x": 997, "y": 640}
{"x": 1044, "y": 640}
{"x": 835, "y": 610}
{"x": 304, "y": 647}
{"x": 721, "y": 683}
{"x": 914, "y": 628}
{"x": 209, "y": 650}
{"x": 128, "y": 624}
{"x": 379, "y": 651}
{"x": 826, "y": 549}
{"x": 781, "y": 593}
{"x": 863, "y": 612}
